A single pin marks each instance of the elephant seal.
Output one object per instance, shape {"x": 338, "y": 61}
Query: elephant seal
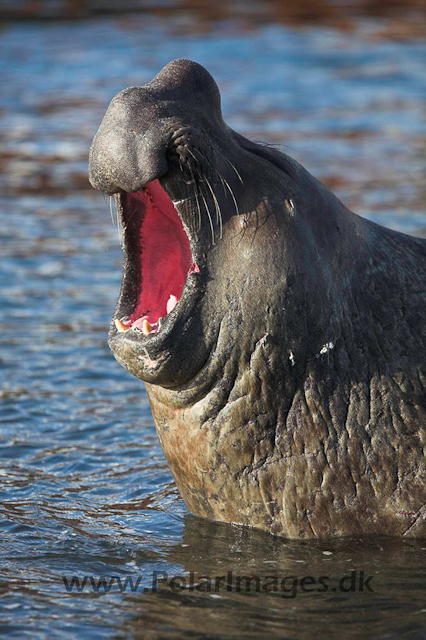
{"x": 282, "y": 338}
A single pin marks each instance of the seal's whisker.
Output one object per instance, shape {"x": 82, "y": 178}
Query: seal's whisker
{"x": 209, "y": 216}
{"x": 196, "y": 196}
{"x": 110, "y": 209}
{"x": 201, "y": 179}
{"x": 197, "y": 161}
{"x": 198, "y": 206}
{"x": 119, "y": 229}
{"x": 217, "y": 206}
{"x": 225, "y": 182}
{"x": 216, "y": 203}
{"x": 229, "y": 162}
{"x": 203, "y": 157}
{"x": 233, "y": 198}
{"x": 189, "y": 151}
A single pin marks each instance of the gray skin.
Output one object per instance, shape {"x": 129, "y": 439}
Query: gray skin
{"x": 288, "y": 385}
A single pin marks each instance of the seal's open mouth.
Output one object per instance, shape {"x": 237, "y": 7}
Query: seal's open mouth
{"x": 158, "y": 258}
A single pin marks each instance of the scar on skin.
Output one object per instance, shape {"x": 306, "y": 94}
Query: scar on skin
{"x": 411, "y": 514}
{"x": 148, "y": 361}
{"x": 325, "y": 349}
{"x": 290, "y": 206}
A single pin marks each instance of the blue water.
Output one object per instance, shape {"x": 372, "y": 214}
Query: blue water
{"x": 85, "y": 489}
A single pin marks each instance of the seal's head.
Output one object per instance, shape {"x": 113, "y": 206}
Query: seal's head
{"x": 215, "y": 230}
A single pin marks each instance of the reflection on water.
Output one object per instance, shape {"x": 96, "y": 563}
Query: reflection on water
{"x": 351, "y": 588}
{"x": 84, "y": 487}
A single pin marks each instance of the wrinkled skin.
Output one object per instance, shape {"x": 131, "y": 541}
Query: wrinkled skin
{"x": 288, "y": 386}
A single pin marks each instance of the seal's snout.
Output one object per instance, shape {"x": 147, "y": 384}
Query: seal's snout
{"x": 130, "y": 147}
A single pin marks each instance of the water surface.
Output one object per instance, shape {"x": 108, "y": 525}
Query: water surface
{"x": 85, "y": 490}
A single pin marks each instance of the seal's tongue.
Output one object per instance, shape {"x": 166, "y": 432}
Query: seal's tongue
{"x": 164, "y": 256}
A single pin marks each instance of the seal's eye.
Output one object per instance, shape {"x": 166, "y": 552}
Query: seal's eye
{"x": 163, "y": 255}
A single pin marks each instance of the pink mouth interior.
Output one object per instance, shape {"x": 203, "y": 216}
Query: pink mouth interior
{"x": 165, "y": 255}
